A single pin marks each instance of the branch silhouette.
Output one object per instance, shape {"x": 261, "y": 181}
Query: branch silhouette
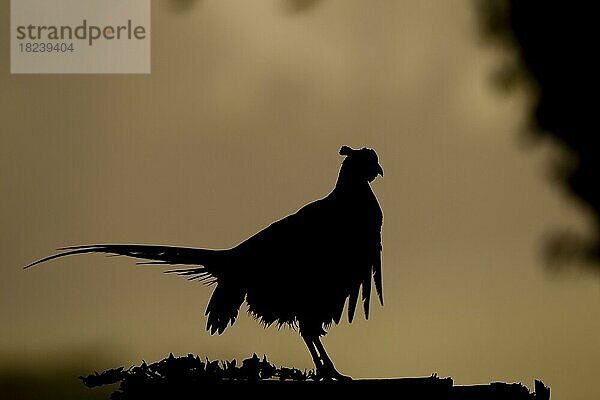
{"x": 187, "y": 376}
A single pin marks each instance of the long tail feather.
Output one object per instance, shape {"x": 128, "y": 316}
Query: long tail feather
{"x": 158, "y": 254}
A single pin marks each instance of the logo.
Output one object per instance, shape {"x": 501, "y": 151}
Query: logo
{"x": 80, "y": 36}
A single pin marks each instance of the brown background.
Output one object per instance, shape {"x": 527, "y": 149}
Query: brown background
{"x": 239, "y": 124}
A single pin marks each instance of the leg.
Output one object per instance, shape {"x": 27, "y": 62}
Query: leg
{"x": 328, "y": 369}
{"x": 313, "y": 352}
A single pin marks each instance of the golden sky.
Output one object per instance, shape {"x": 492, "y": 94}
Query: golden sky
{"x": 238, "y": 125}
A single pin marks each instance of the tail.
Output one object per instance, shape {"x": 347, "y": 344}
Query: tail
{"x": 227, "y": 297}
{"x": 206, "y": 260}
{"x": 224, "y": 306}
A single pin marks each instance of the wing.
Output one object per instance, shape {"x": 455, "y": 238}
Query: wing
{"x": 375, "y": 271}
{"x": 296, "y": 237}
{"x": 327, "y": 245}
{"x": 369, "y": 230}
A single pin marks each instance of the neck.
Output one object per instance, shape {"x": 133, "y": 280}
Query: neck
{"x": 349, "y": 181}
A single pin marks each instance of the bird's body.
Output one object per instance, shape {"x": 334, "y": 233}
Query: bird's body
{"x": 300, "y": 270}
{"x": 306, "y": 276}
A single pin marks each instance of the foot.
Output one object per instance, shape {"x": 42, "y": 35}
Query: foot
{"x": 328, "y": 372}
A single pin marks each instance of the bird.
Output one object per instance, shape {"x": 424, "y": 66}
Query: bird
{"x": 299, "y": 271}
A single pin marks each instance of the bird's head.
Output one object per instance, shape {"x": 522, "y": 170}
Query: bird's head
{"x": 361, "y": 164}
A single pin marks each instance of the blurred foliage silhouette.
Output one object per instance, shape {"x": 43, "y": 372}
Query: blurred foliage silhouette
{"x": 183, "y": 5}
{"x": 296, "y": 6}
{"x": 46, "y": 382}
{"x": 290, "y": 6}
{"x": 552, "y": 47}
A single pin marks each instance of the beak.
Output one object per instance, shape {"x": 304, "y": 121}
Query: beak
{"x": 379, "y": 170}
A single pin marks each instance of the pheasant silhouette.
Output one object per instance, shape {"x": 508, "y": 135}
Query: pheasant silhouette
{"x": 299, "y": 271}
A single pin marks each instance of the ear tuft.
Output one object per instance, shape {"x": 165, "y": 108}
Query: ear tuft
{"x": 345, "y": 151}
